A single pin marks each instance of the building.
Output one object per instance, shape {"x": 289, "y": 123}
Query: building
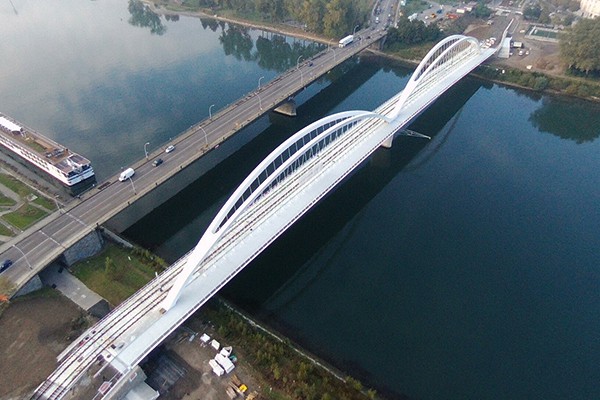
{"x": 590, "y": 8}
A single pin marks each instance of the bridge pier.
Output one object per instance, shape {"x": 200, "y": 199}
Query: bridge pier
{"x": 287, "y": 108}
{"x": 388, "y": 142}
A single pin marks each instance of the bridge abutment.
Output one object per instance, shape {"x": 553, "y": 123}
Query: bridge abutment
{"x": 85, "y": 248}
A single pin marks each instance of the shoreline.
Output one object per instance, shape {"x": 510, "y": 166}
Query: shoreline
{"x": 288, "y": 30}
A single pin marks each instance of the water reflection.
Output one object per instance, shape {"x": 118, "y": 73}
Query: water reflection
{"x": 143, "y": 16}
{"x": 273, "y": 51}
{"x": 560, "y": 117}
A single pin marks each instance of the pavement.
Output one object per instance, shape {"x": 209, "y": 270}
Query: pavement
{"x": 59, "y": 277}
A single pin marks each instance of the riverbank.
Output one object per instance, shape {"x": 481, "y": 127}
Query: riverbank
{"x": 267, "y": 364}
{"x": 497, "y": 70}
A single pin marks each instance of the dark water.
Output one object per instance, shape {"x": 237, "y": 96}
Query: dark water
{"x": 465, "y": 267}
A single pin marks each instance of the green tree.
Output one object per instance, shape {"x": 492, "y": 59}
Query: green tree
{"x": 579, "y": 46}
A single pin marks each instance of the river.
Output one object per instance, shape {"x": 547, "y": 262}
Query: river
{"x": 462, "y": 267}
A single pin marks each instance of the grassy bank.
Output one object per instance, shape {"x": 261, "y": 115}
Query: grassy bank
{"x": 116, "y": 272}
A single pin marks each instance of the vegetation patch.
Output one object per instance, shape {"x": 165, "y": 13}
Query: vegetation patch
{"x": 116, "y": 273}
{"x": 289, "y": 374}
{"x": 45, "y": 202}
{"x": 24, "y": 216}
{"x": 6, "y": 201}
{"x": 6, "y": 231}
{"x": 537, "y": 81}
{"x": 15, "y": 185}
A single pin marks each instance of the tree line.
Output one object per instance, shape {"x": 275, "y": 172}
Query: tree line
{"x": 333, "y": 18}
{"x": 579, "y": 47}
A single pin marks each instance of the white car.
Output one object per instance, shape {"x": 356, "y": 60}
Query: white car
{"x": 169, "y": 149}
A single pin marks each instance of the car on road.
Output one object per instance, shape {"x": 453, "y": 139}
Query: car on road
{"x": 5, "y": 265}
{"x": 157, "y": 162}
{"x": 169, "y": 149}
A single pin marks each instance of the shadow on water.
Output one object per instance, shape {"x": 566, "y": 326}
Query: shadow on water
{"x": 285, "y": 269}
{"x": 341, "y": 205}
{"x": 192, "y": 209}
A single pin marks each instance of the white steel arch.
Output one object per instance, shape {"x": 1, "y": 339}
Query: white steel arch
{"x": 439, "y": 61}
{"x": 287, "y": 157}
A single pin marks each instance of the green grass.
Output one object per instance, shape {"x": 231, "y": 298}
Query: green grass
{"x": 6, "y": 201}
{"x": 133, "y": 273}
{"x": 23, "y": 191}
{"x": 5, "y": 231}
{"x": 24, "y": 216}
{"x": 15, "y": 185}
{"x": 46, "y": 203}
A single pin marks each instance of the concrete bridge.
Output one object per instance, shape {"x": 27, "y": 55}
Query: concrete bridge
{"x": 282, "y": 188}
{"x": 55, "y": 236}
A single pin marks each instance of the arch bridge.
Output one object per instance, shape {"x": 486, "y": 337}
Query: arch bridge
{"x": 282, "y": 188}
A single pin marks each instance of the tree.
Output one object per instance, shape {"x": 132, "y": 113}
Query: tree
{"x": 532, "y": 12}
{"x": 579, "y": 48}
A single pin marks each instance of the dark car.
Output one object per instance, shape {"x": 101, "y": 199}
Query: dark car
{"x": 157, "y": 162}
{"x": 5, "y": 265}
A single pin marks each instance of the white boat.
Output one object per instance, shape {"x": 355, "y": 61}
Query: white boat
{"x": 62, "y": 164}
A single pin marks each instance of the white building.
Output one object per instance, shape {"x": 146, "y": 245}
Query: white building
{"x": 590, "y": 8}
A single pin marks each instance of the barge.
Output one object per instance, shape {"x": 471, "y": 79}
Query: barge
{"x": 57, "y": 161}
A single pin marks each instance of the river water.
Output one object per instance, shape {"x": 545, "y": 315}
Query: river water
{"x": 462, "y": 267}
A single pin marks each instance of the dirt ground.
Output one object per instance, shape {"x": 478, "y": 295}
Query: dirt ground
{"x": 543, "y": 56}
{"x": 200, "y": 382}
{"x": 33, "y": 332}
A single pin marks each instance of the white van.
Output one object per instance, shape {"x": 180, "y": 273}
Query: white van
{"x": 128, "y": 173}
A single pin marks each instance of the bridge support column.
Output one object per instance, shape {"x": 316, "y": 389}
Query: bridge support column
{"x": 288, "y": 108}
{"x": 388, "y": 142}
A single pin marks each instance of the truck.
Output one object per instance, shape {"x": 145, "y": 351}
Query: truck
{"x": 346, "y": 41}
{"x": 128, "y": 173}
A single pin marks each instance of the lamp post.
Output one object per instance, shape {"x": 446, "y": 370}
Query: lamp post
{"x": 24, "y": 256}
{"x": 57, "y": 203}
{"x": 258, "y": 92}
{"x": 146, "y": 151}
{"x": 354, "y": 31}
{"x": 132, "y": 185}
{"x": 298, "y": 61}
{"x": 332, "y": 49}
{"x": 205, "y": 136}
{"x": 210, "y": 111}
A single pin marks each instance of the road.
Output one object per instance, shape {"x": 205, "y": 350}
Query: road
{"x": 33, "y": 250}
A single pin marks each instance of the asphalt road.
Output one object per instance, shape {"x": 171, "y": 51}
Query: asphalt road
{"x": 34, "y": 249}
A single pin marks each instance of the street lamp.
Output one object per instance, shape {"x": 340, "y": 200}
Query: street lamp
{"x": 210, "y": 111}
{"x": 146, "y": 151}
{"x": 24, "y": 256}
{"x": 332, "y": 49}
{"x": 354, "y": 31}
{"x": 205, "y": 136}
{"x": 298, "y": 61}
{"x": 132, "y": 185}
{"x": 57, "y": 203}
{"x": 258, "y": 92}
